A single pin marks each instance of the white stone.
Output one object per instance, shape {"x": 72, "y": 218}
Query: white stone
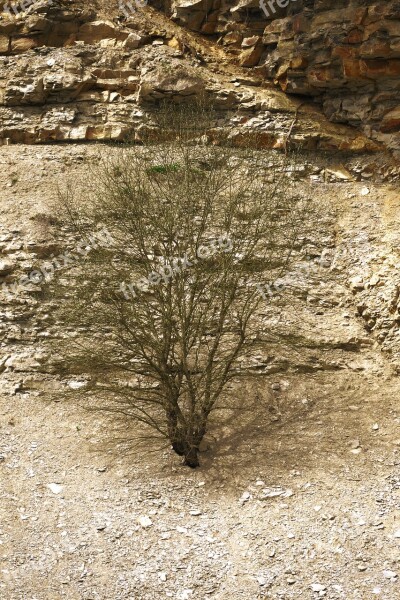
{"x": 388, "y": 574}
{"x": 76, "y": 385}
{"x": 181, "y": 529}
{"x": 318, "y": 587}
{"x": 185, "y": 595}
{"x": 55, "y": 488}
{"x": 145, "y": 522}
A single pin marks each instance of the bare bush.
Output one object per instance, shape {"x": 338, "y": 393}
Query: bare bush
{"x": 165, "y": 314}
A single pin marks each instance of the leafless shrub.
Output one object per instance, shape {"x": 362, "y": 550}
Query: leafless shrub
{"x": 163, "y": 317}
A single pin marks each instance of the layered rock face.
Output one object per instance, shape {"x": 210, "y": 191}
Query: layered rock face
{"x": 54, "y": 71}
{"x": 345, "y": 54}
{"x": 68, "y": 75}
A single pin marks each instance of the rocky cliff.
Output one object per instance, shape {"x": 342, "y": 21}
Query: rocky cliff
{"x": 67, "y": 73}
{"x": 345, "y": 53}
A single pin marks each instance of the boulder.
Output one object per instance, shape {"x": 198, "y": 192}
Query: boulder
{"x": 251, "y": 56}
{"x": 23, "y": 44}
{"x": 6, "y": 267}
{"x": 133, "y": 41}
{"x": 94, "y": 32}
{"x": 163, "y": 82}
{"x": 36, "y": 23}
{"x": 191, "y": 13}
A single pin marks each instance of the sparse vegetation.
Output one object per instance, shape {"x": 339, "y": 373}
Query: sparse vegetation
{"x": 165, "y": 317}
{"x": 170, "y": 168}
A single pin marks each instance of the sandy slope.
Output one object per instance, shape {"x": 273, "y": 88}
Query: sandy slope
{"x": 301, "y": 489}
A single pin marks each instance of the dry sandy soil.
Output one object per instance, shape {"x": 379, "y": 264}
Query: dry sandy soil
{"x": 299, "y": 490}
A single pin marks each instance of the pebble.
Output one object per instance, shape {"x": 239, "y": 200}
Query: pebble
{"x": 181, "y": 529}
{"x": 273, "y": 493}
{"x": 145, "y": 522}
{"x": 318, "y": 587}
{"x": 55, "y": 488}
{"x": 388, "y": 574}
{"x": 76, "y": 385}
{"x": 245, "y": 497}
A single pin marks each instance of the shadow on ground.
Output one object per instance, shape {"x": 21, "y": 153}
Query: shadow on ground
{"x": 311, "y": 422}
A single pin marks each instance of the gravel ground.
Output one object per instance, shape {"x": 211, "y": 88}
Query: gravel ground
{"x": 304, "y": 508}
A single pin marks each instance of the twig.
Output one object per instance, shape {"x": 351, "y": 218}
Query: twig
{"x": 291, "y": 126}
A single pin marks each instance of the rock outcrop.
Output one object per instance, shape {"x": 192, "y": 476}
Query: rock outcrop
{"x": 344, "y": 54}
{"x": 66, "y": 74}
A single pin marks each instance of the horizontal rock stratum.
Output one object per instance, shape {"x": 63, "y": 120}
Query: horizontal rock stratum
{"x": 68, "y": 73}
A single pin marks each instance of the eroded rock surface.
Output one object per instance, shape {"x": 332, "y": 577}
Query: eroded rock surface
{"x": 68, "y": 75}
{"x": 344, "y": 54}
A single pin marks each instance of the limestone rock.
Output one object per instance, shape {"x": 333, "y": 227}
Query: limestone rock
{"x": 355, "y": 78}
{"x": 6, "y": 267}
{"x": 94, "y": 32}
{"x": 391, "y": 121}
{"x": 191, "y": 13}
{"x": 4, "y": 44}
{"x": 251, "y": 54}
{"x": 169, "y": 81}
{"x": 133, "y": 41}
{"x": 67, "y": 74}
